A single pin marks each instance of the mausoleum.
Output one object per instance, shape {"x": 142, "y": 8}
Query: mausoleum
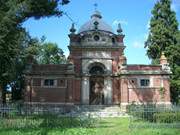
{"x": 97, "y": 72}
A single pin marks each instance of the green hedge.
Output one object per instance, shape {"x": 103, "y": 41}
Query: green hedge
{"x": 142, "y": 112}
{"x": 167, "y": 117}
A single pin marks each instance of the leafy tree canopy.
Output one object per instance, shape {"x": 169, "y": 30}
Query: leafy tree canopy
{"x": 13, "y": 37}
{"x": 51, "y": 54}
{"x": 163, "y": 29}
{"x": 165, "y": 37}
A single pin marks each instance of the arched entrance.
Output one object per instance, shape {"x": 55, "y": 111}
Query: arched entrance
{"x": 96, "y": 92}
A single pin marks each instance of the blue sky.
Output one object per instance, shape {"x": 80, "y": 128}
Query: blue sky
{"x": 134, "y": 15}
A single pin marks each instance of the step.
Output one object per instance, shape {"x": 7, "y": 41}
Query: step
{"x": 97, "y": 111}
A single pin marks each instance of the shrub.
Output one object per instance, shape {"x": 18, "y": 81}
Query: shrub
{"x": 142, "y": 112}
{"x": 167, "y": 117}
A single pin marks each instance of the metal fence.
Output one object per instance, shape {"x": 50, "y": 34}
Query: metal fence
{"x": 35, "y": 109}
{"x": 140, "y": 116}
{"x": 154, "y": 116}
{"x": 42, "y": 115}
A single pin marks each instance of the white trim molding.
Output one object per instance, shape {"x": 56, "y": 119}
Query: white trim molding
{"x": 151, "y": 84}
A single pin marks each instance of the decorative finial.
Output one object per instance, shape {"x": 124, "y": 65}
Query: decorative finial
{"x": 119, "y": 30}
{"x": 72, "y": 30}
{"x": 164, "y": 63}
{"x": 163, "y": 57}
{"x": 95, "y": 6}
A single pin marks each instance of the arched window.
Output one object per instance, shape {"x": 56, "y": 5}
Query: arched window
{"x": 96, "y": 70}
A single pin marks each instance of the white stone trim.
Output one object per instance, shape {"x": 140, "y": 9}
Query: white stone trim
{"x": 97, "y": 54}
{"x": 166, "y": 103}
{"x": 124, "y": 103}
{"x": 44, "y": 86}
{"x": 157, "y": 103}
{"x": 87, "y": 62}
{"x": 55, "y": 83}
{"x": 145, "y": 72}
{"x": 139, "y": 78}
{"x": 151, "y": 84}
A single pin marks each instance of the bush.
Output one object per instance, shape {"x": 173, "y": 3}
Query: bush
{"x": 142, "y": 112}
{"x": 167, "y": 117}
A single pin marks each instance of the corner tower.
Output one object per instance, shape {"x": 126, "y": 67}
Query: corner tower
{"x": 95, "y": 51}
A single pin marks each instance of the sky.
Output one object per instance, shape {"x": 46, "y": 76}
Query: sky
{"x": 134, "y": 16}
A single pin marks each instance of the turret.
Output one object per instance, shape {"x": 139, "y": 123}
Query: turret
{"x": 119, "y": 30}
{"x": 163, "y": 59}
{"x": 74, "y": 38}
{"x": 164, "y": 63}
{"x": 72, "y": 29}
{"x": 120, "y": 36}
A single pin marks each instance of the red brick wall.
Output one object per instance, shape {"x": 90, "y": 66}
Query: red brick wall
{"x": 127, "y": 90}
{"x": 167, "y": 90}
{"x": 76, "y": 58}
{"x": 70, "y": 93}
{"x": 116, "y": 90}
{"x": 77, "y": 91}
{"x": 149, "y": 94}
{"x": 124, "y": 90}
{"x": 143, "y": 95}
{"x": 143, "y": 67}
{"x": 49, "y": 94}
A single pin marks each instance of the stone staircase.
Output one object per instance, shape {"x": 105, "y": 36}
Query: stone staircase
{"x": 97, "y": 111}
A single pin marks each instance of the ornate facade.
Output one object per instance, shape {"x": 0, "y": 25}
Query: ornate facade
{"x": 98, "y": 72}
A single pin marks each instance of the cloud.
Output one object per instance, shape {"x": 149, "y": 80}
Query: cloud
{"x": 138, "y": 44}
{"x": 116, "y": 22}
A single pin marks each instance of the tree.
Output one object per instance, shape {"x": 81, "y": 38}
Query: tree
{"x": 163, "y": 29}
{"x": 51, "y": 54}
{"x": 12, "y": 14}
{"x": 174, "y": 60}
{"x": 165, "y": 37}
{"x": 33, "y": 51}
{"x": 30, "y": 49}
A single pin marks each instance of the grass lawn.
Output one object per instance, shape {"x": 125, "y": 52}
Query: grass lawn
{"x": 72, "y": 126}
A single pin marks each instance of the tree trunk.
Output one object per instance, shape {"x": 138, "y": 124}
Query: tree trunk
{"x": 3, "y": 94}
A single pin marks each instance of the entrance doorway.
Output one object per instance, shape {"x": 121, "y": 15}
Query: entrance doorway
{"x": 96, "y": 92}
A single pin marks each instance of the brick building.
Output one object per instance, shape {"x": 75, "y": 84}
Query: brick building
{"x": 97, "y": 72}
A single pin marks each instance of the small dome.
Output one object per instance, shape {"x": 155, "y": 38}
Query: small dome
{"x": 96, "y": 19}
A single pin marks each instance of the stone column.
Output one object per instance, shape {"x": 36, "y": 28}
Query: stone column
{"x": 85, "y": 90}
{"x": 108, "y": 90}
